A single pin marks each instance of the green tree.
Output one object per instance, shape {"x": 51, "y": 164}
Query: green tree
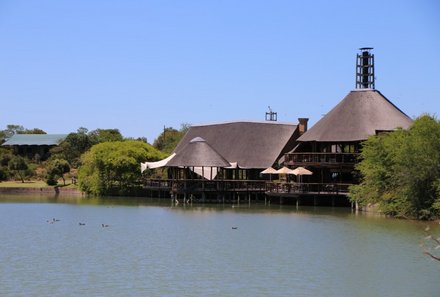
{"x": 169, "y": 138}
{"x": 5, "y": 157}
{"x": 31, "y": 131}
{"x": 13, "y": 129}
{"x": 19, "y": 166}
{"x": 3, "y": 174}
{"x": 104, "y": 135}
{"x": 56, "y": 168}
{"x": 79, "y": 142}
{"x": 9, "y": 131}
{"x": 114, "y": 165}
{"x": 401, "y": 171}
{"x": 73, "y": 147}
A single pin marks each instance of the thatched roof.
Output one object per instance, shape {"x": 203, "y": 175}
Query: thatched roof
{"x": 360, "y": 114}
{"x": 198, "y": 153}
{"x": 250, "y": 144}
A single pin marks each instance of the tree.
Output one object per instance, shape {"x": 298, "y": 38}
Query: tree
{"x": 104, "y": 135}
{"x": 56, "y": 168}
{"x": 79, "y": 142}
{"x": 19, "y": 166}
{"x": 13, "y": 129}
{"x": 170, "y": 137}
{"x": 73, "y": 146}
{"x": 31, "y": 131}
{"x": 401, "y": 171}
{"x": 114, "y": 165}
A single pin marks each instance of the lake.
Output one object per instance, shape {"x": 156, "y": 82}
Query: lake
{"x": 155, "y": 248}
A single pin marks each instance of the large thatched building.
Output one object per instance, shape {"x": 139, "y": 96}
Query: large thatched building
{"x": 327, "y": 153}
{"x": 248, "y": 147}
{"x": 224, "y": 159}
{"x": 330, "y": 148}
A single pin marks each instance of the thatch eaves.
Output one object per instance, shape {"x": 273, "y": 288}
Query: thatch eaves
{"x": 360, "y": 114}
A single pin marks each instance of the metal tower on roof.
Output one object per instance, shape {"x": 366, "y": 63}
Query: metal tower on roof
{"x": 271, "y": 115}
{"x": 365, "y": 69}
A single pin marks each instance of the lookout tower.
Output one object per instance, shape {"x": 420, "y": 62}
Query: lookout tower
{"x": 365, "y": 69}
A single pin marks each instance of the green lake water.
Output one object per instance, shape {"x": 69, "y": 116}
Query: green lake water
{"x": 154, "y": 248}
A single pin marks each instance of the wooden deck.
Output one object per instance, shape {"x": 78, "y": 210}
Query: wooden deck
{"x": 233, "y": 190}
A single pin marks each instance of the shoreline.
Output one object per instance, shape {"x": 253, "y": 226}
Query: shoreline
{"x": 45, "y": 190}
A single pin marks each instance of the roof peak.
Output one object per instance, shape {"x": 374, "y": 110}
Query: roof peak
{"x": 245, "y": 121}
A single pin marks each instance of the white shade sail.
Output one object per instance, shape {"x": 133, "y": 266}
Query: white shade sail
{"x": 157, "y": 164}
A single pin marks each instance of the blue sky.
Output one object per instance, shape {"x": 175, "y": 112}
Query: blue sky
{"x": 141, "y": 65}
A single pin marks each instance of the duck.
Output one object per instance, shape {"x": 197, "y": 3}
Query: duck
{"x": 82, "y": 224}
{"x": 104, "y": 225}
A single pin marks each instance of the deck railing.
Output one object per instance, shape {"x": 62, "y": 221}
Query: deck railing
{"x": 307, "y": 188}
{"x": 300, "y": 159}
{"x": 194, "y": 186}
{"x": 188, "y": 185}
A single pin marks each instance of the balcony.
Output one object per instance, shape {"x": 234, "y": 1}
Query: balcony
{"x": 321, "y": 159}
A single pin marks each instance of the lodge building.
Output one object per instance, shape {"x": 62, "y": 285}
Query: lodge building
{"x": 34, "y": 146}
{"x": 329, "y": 150}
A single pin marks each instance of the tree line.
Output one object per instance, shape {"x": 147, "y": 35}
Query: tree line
{"x": 100, "y": 160}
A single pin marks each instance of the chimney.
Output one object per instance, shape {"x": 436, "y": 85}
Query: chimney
{"x": 302, "y": 125}
{"x": 365, "y": 69}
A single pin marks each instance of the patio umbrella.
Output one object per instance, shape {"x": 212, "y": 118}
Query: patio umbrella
{"x": 284, "y": 170}
{"x": 269, "y": 171}
{"x": 301, "y": 171}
